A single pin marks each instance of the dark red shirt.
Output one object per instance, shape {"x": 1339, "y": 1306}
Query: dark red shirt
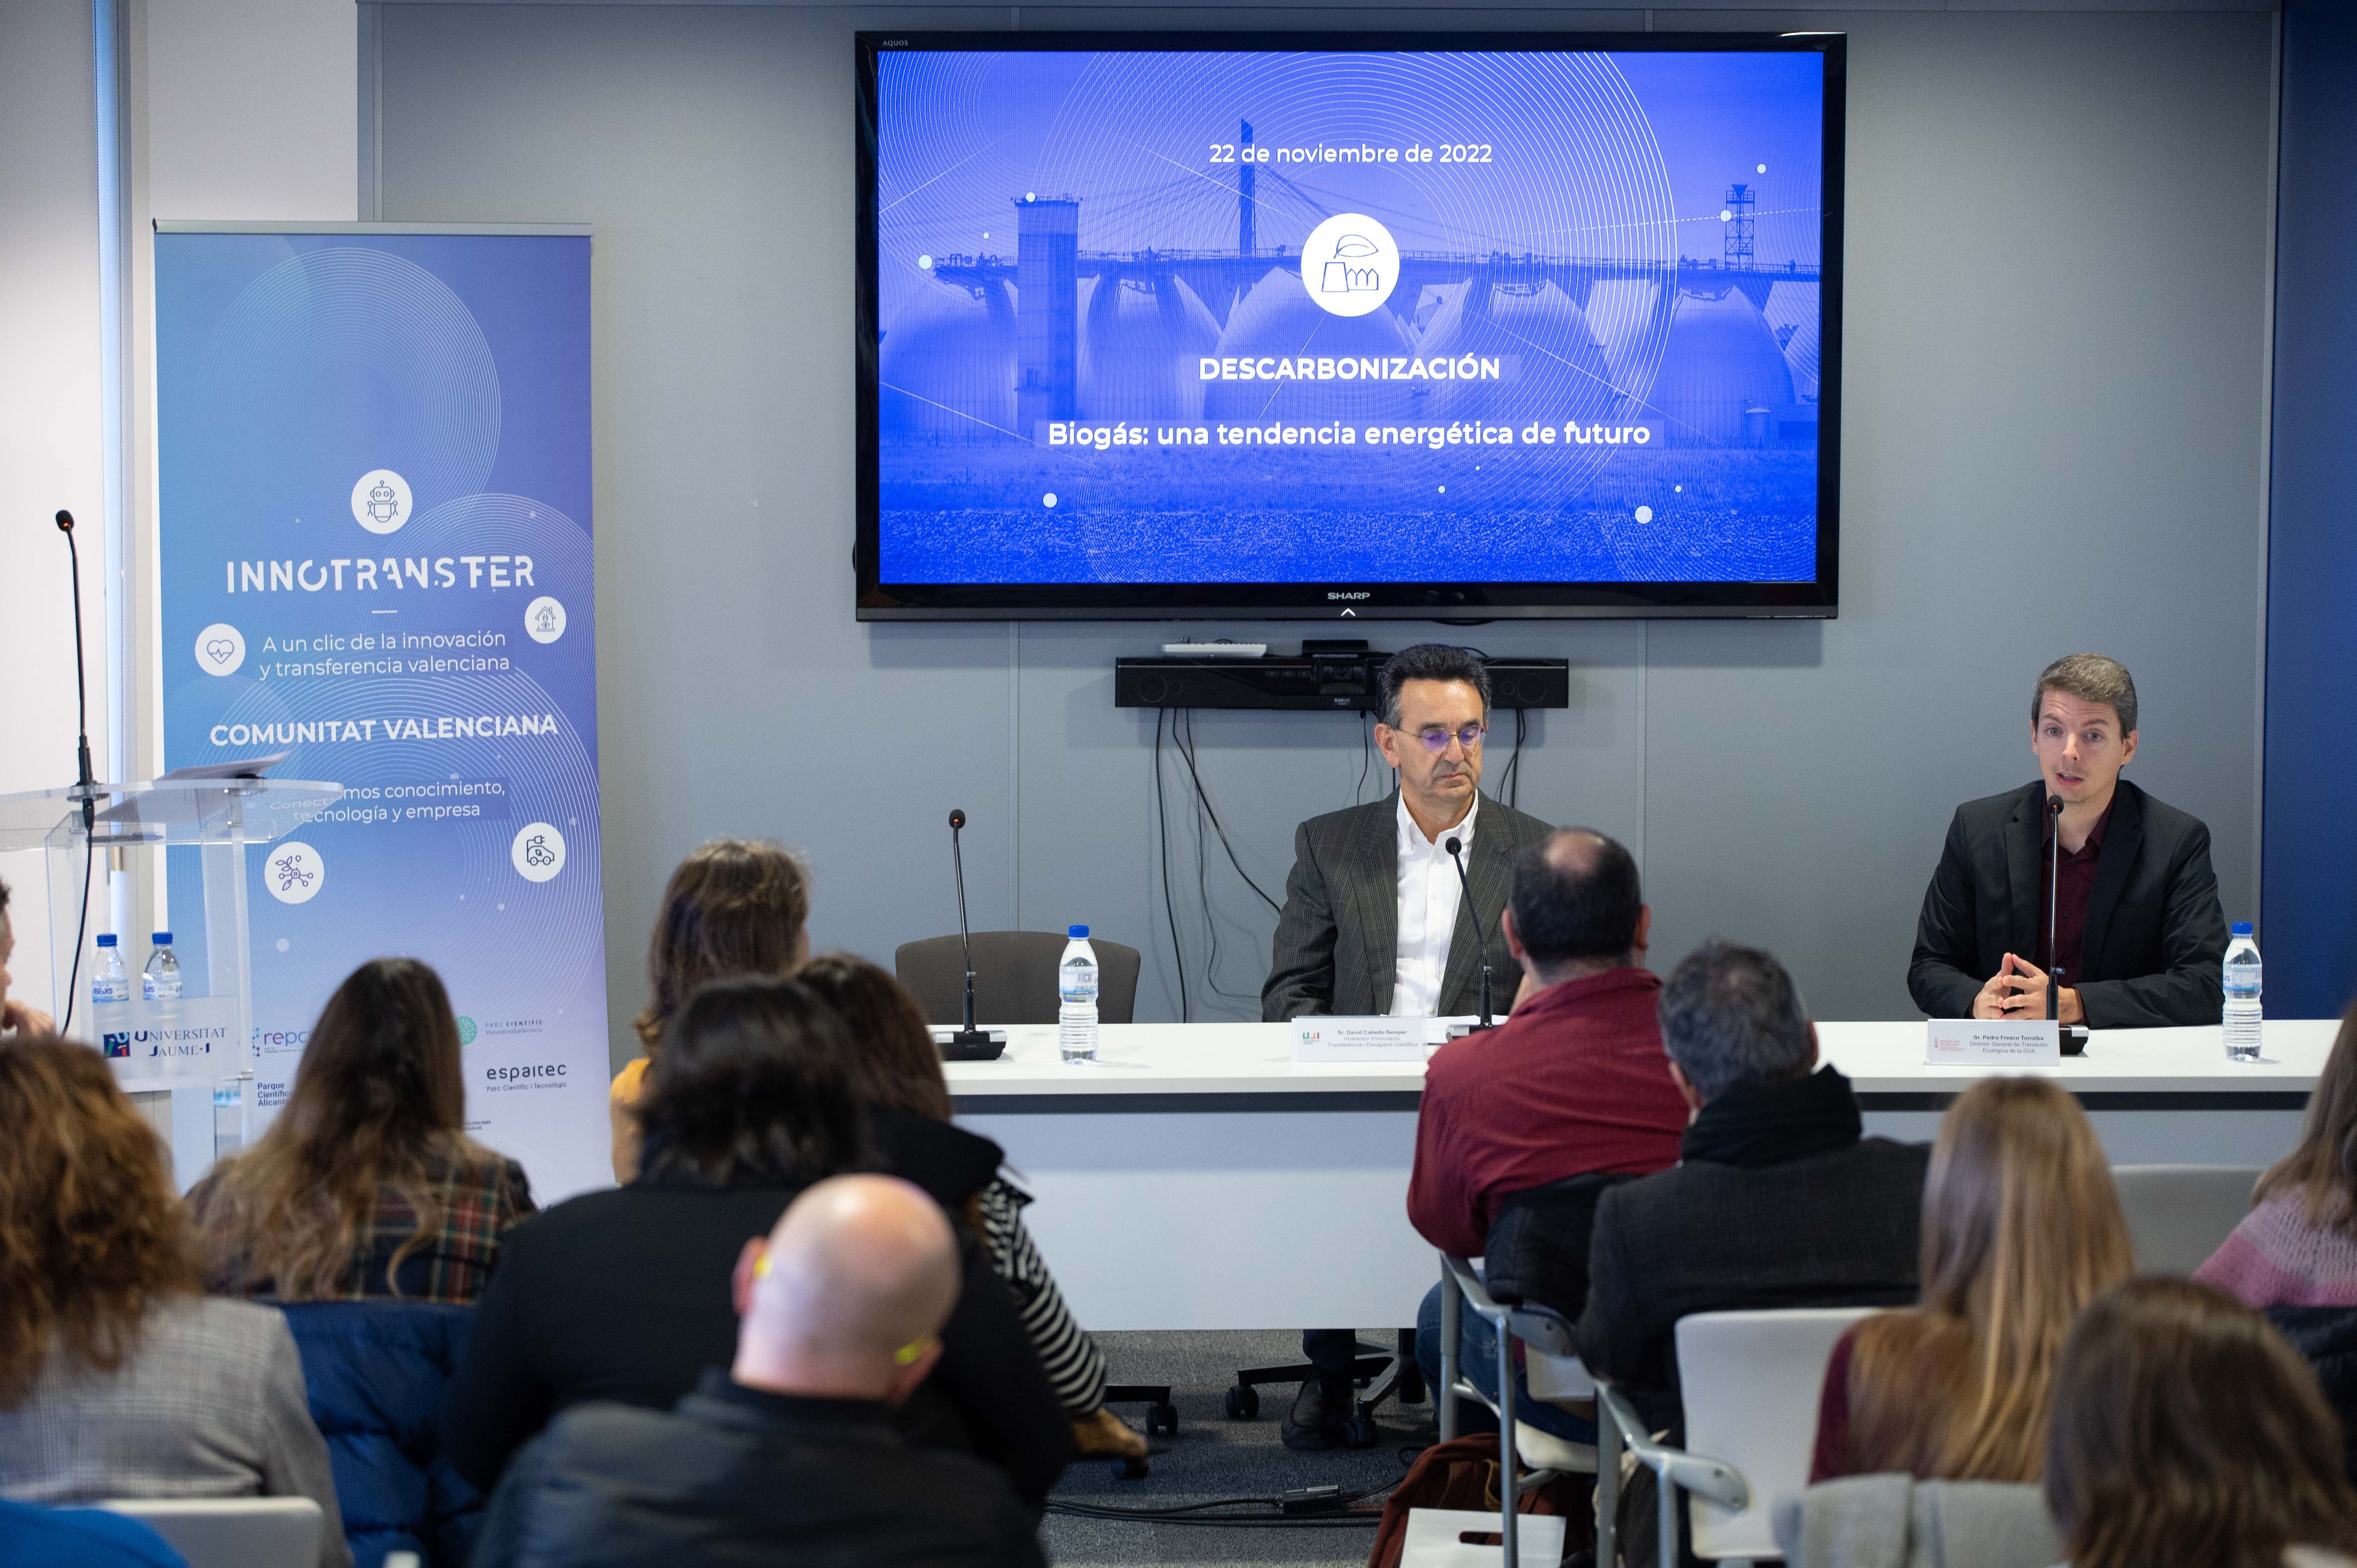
{"x": 1574, "y": 1081}
{"x": 2077, "y": 885}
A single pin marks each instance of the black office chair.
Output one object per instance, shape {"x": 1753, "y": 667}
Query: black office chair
{"x": 1015, "y": 983}
{"x": 1014, "y": 977}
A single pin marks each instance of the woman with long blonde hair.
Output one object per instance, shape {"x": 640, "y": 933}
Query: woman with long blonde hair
{"x": 2021, "y": 1228}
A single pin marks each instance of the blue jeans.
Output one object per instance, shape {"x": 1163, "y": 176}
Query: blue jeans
{"x": 1477, "y": 1362}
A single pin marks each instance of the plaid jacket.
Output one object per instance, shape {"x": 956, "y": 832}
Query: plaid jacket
{"x": 482, "y": 1196}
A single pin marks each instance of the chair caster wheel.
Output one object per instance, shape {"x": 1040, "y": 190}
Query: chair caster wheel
{"x": 1128, "y": 1469}
{"x": 1243, "y": 1403}
{"x": 1162, "y": 1418}
{"x": 1358, "y": 1432}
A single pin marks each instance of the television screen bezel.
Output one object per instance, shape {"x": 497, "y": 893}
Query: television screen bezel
{"x": 1327, "y": 601}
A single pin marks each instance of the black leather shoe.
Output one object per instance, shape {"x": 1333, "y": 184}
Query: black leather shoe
{"x": 1316, "y": 1421}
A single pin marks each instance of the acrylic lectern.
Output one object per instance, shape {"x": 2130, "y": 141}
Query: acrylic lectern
{"x": 202, "y": 1040}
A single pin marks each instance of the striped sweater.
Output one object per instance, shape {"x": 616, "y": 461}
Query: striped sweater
{"x": 1076, "y": 1368}
{"x": 2277, "y": 1258}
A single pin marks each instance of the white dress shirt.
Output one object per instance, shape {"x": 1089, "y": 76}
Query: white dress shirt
{"x": 1428, "y": 894}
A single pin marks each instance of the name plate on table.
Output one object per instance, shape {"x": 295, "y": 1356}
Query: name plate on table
{"x": 1991, "y": 1042}
{"x": 1362, "y": 1039}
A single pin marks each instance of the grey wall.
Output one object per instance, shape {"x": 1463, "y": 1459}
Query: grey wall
{"x": 2057, "y": 302}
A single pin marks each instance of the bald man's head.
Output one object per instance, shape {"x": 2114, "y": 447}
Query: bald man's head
{"x": 845, "y": 1298}
{"x": 1576, "y": 902}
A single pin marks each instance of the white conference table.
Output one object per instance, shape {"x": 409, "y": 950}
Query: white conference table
{"x": 1196, "y": 1176}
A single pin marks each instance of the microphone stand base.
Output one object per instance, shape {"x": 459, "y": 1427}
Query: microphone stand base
{"x": 2075, "y": 1039}
{"x": 971, "y": 1044}
{"x": 1459, "y": 1031}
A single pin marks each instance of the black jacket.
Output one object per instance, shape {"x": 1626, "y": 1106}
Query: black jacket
{"x": 624, "y": 1295}
{"x": 1779, "y": 1203}
{"x": 2154, "y": 933}
{"x": 738, "y": 1476}
{"x": 2327, "y": 1336}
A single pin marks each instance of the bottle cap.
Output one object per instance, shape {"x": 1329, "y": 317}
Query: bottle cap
{"x": 106, "y": 938}
{"x": 1077, "y": 933}
{"x": 163, "y": 938}
{"x": 2242, "y": 928}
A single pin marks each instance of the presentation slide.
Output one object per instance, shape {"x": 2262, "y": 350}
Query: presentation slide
{"x": 1487, "y": 316}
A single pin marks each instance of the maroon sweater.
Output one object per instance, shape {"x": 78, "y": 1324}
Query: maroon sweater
{"x": 1574, "y": 1082}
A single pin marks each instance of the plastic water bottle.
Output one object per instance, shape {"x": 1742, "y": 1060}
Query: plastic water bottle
{"x": 1076, "y": 989}
{"x": 2242, "y": 995}
{"x": 108, "y": 981}
{"x": 161, "y": 980}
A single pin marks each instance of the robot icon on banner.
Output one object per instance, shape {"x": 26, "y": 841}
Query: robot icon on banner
{"x": 381, "y": 502}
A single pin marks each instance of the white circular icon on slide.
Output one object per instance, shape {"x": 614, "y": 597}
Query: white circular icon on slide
{"x": 543, "y": 618}
{"x": 1350, "y": 265}
{"x": 381, "y": 500}
{"x": 294, "y": 872}
{"x": 538, "y": 852}
{"x": 221, "y": 648}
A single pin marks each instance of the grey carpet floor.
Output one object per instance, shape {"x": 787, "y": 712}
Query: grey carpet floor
{"x": 1213, "y": 1458}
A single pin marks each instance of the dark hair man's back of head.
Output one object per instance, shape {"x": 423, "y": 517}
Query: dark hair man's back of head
{"x": 1576, "y": 898}
{"x": 1430, "y": 661}
{"x": 1732, "y": 1018}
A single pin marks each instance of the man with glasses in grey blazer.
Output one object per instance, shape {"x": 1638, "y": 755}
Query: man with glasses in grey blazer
{"x": 1375, "y": 920}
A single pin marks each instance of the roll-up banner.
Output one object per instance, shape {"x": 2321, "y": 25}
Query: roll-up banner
{"x": 375, "y": 515}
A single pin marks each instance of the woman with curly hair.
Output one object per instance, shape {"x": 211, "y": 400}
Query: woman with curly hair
{"x": 733, "y": 906}
{"x": 117, "y": 1377}
{"x": 366, "y": 1184}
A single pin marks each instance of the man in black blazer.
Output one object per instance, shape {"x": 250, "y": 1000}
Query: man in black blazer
{"x": 2139, "y": 930}
{"x": 1375, "y": 918}
{"x": 1777, "y": 1200}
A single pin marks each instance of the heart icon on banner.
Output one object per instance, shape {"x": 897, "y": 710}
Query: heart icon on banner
{"x": 219, "y": 649}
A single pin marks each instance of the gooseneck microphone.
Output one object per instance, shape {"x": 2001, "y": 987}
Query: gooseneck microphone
{"x": 82, "y": 686}
{"x": 968, "y": 1040}
{"x": 2053, "y": 913}
{"x": 88, "y": 787}
{"x": 1455, "y": 846}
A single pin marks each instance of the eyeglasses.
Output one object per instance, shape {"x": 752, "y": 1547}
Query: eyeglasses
{"x": 1436, "y": 741}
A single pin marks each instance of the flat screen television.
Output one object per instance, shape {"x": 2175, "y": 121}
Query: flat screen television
{"x": 1342, "y": 326}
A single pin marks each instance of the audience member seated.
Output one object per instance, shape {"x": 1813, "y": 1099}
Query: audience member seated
{"x": 36, "y": 1537}
{"x": 118, "y": 1378}
{"x": 623, "y": 1294}
{"x": 19, "y": 1018}
{"x": 2297, "y": 1246}
{"x": 2021, "y": 1228}
{"x": 898, "y": 1074}
{"x": 367, "y": 1204}
{"x": 789, "y": 1455}
{"x": 1566, "y": 1094}
{"x": 2187, "y": 1435}
{"x": 1778, "y": 1201}
{"x": 734, "y": 906}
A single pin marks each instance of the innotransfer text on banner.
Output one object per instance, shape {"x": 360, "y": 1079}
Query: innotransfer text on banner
{"x": 373, "y": 458}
